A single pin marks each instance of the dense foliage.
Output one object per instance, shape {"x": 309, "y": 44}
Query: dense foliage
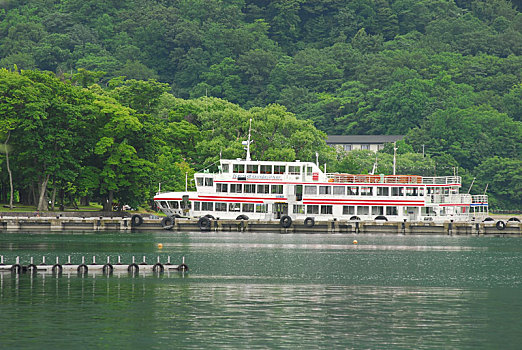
{"x": 448, "y": 74}
{"x": 118, "y": 144}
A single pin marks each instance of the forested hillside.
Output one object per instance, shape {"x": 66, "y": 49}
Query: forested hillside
{"x": 448, "y": 74}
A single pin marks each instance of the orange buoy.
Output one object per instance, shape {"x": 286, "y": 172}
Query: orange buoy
{"x": 354, "y": 241}
{"x": 160, "y": 245}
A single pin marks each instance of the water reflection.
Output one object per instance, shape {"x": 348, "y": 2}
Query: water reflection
{"x": 210, "y": 313}
{"x": 273, "y": 291}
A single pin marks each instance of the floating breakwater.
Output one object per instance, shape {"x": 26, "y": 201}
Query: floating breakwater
{"x": 107, "y": 268}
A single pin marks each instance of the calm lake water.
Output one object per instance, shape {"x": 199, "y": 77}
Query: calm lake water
{"x": 259, "y": 291}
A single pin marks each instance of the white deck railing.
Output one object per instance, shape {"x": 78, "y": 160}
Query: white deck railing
{"x": 393, "y": 179}
{"x": 448, "y": 199}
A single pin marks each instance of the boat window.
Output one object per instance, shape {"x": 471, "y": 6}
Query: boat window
{"x": 427, "y": 211}
{"x": 326, "y": 209}
{"x": 392, "y": 211}
{"x": 421, "y": 191}
{"x": 207, "y": 206}
{"x": 199, "y": 181}
{"x": 185, "y": 205}
{"x": 263, "y": 188}
{"x": 312, "y": 209}
{"x": 277, "y": 189}
{"x": 197, "y": 206}
{"x": 261, "y": 208}
{"x": 236, "y": 188}
{"x": 338, "y": 190}
{"x": 366, "y": 191}
{"x": 221, "y": 206}
{"x": 325, "y": 189}
{"x": 294, "y": 170}
{"x": 163, "y": 204}
{"x": 383, "y": 191}
{"x": 248, "y": 207}
{"x": 234, "y": 207}
{"x": 397, "y": 191}
{"x": 348, "y": 209}
{"x": 174, "y": 204}
{"x": 252, "y": 168}
{"x": 363, "y": 210}
{"x": 309, "y": 170}
{"x": 239, "y": 168}
{"x": 298, "y": 209}
{"x": 266, "y": 169}
{"x": 410, "y": 191}
{"x": 377, "y": 210}
{"x": 279, "y": 169}
{"x": 250, "y": 188}
{"x": 310, "y": 189}
{"x": 221, "y": 187}
{"x": 225, "y": 168}
{"x": 352, "y": 191}
{"x": 209, "y": 181}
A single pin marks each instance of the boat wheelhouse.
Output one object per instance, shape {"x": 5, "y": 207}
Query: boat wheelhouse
{"x": 265, "y": 190}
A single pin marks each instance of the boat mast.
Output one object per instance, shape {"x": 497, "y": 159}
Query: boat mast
{"x": 394, "y": 156}
{"x": 248, "y": 142}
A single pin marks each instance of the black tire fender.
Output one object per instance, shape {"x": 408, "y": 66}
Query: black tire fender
{"x": 309, "y": 222}
{"x": 32, "y": 268}
{"x": 183, "y": 267}
{"x": 204, "y": 223}
{"x": 133, "y": 267}
{"x": 16, "y": 268}
{"x": 167, "y": 221}
{"x": 107, "y": 269}
{"x": 158, "y": 267}
{"x": 285, "y": 221}
{"x": 136, "y": 220}
{"x": 242, "y": 217}
{"x": 500, "y": 225}
{"x": 82, "y": 268}
{"x": 57, "y": 268}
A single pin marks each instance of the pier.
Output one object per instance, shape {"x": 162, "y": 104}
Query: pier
{"x": 148, "y": 223}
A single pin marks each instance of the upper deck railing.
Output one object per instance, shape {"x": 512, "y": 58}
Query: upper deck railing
{"x": 479, "y": 199}
{"x": 393, "y": 179}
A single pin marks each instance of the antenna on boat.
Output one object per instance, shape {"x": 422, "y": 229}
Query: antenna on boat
{"x": 394, "y": 156}
{"x": 247, "y": 143}
{"x": 486, "y": 189}
{"x": 374, "y": 169}
{"x": 317, "y": 158}
{"x": 472, "y": 182}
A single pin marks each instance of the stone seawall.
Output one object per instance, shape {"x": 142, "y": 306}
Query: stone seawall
{"x": 148, "y": 223}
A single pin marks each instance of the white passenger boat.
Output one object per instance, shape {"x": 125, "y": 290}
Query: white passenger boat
{"x": 246, "y": 189}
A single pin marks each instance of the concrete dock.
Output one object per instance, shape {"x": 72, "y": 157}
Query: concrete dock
{"x": 147, "y": 223}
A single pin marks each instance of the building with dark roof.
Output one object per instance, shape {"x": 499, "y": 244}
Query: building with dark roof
{"x": 354, "y": 142}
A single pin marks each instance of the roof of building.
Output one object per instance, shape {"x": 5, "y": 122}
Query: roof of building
{"x": 374, "y": 139}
